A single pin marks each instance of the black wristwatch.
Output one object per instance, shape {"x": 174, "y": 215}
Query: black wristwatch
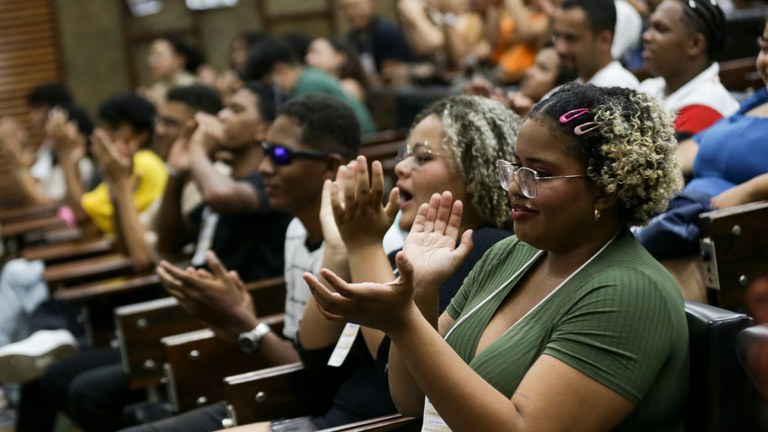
{"x": 249, "y": 341}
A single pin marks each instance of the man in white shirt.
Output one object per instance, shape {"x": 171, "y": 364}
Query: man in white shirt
{"x": 583, "y": 35}
{"x": 679, "y": 48}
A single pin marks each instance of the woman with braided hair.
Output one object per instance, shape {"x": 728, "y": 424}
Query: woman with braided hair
{"x": 568, "y": 325}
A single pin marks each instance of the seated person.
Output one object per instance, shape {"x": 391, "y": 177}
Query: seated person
{"x": 92, "y": 387}
{"x": 310, "y": 138}
{"x": 516, "y": 29}
{"x": 450, "y": 33}
{"x": 128, "y": 119}
{"x": 568, "y": 325}
{"x": 273, "y": 60}
{"x": 172, "y": 62}
{"x": 381, "y": 44}
{"x": 448, "y": 139}
{"x": 336, "y": 58}
{"x": 583, "y": 33}
{"x": 679, "y": 48}
{"x": 43, "y": 182}
{"x": 727, "y": 165}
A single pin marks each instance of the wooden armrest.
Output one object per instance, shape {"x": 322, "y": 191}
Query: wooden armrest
{"x": 52, "y": 254}
{"x": 139, "y": 328}
{"x": 88, "y": 269}
{"x": 381, "y": 424}
{"x": 21, "y": 213}
{"x": 268, "y": 394}
{"x": 118, "y": 285}
{"x": 192, "y": 355}
{"x": 734, "y": 251}
{"x": 18, "y": 228}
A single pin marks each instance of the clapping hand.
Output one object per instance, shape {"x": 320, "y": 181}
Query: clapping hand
{"x": 219, "y": 297}
{"x": 429, "y": 256}
{"x": 65, "y": 138}
{"x": 209, "y": 134}
{"x": 356, "y": 202}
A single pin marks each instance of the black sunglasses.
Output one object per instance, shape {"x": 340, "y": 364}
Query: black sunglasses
{"x": 282, "y": 155}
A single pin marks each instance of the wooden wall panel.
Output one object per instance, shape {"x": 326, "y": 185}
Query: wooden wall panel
{"x": 29, "y": 52}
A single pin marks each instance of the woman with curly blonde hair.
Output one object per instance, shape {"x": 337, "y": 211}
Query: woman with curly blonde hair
{"x": 568, "y": 325}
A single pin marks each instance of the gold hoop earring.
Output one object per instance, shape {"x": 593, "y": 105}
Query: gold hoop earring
{"x": 597, "y": 215}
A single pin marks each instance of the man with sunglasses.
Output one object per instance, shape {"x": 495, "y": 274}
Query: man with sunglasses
{"x": 310, "y": 138}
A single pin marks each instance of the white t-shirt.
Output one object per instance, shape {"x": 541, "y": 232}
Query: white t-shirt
{"x": 298, "y": 260}
{"x": 614, "y": 75}
{"x": 629, "y": 27}
{"x": 704, "y": 89}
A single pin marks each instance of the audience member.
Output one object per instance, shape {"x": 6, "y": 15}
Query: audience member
{"x": 172, "y": 62}
{"x": 570, "y": 324}
{"x": 310, "y": 138}
{"x": 449, "y": 32}
{"x": 274, "y": 60}
{"x": 92, "y": 388}
{"x": 516, "y": 29}
{"x": 336, "y": 58}
{"x": 727, "y": 165}
{"x": 381, "y": 43}
{"x": 448, "y": 139}
{"x": 128, "y": 126}
{"x": 43, "y": 182}
{"x": 583, "y": 32}
{"x": 538, "y": 80}
{"x": 679, "y": 47}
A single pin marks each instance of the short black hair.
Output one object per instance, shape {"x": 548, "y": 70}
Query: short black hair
{"x": 128, "y": 108}
{"x": 265, "y": 99}
{"x": 49, "y": 95}
{"x": 328, "y": 124}
{"x": 198, "y": 97}
{"x": 263, "y": 57}
{"x": 601, "y": 14}
{"x": 708, "y": 19}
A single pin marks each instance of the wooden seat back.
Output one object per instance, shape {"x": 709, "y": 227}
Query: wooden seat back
{"x": 189, "y": 356}
{"x": 734, "y": 253}
{"x": 140, "y": 328}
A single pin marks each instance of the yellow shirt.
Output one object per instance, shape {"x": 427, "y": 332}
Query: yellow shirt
{"x": 149, "y": 176}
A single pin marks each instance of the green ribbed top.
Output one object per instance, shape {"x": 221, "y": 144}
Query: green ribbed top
{"x": 620, "y": 320}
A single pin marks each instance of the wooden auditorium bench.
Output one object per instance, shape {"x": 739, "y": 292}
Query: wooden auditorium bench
{"x": 140, "y": 327}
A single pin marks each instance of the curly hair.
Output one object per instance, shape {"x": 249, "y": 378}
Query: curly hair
{"x": 632, "y": 153}
{"x": 476, "y": 133}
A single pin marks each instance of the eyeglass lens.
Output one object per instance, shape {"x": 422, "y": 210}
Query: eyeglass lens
{"x": 525, "y": 177}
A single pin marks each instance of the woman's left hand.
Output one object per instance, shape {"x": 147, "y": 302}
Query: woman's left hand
{"x": 386, "y": 307}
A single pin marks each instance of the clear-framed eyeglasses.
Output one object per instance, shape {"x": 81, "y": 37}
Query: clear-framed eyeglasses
{"x": 526, "y": 178}
{"x": 419, "y": 153}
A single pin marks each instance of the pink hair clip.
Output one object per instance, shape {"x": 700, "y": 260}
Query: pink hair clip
{"x": 572, "y": 114}
{"x": 585, "y": 128}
